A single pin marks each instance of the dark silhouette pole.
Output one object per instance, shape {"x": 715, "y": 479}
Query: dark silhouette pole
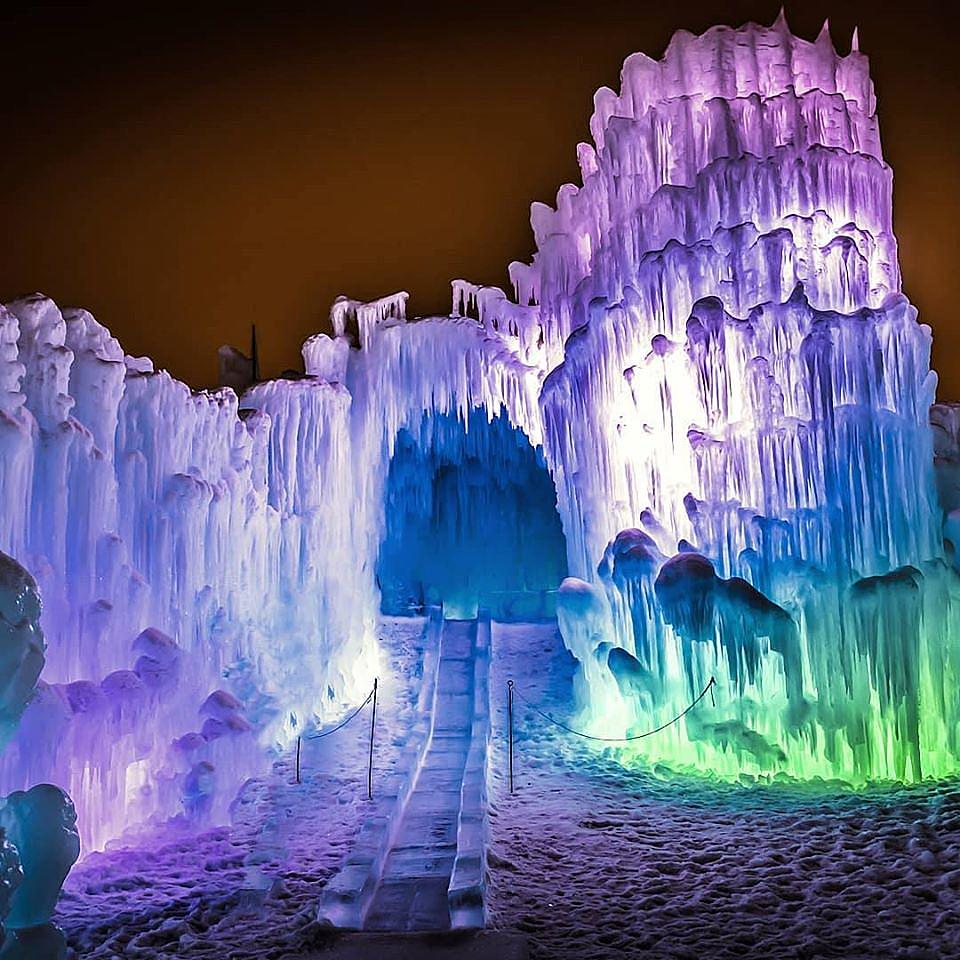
{"x": 373, "y": 721}
{"x": 254, "y": 355}
{"x": 510, "y": 724}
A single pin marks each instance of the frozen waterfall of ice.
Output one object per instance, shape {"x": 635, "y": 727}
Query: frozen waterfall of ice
{"x": 710, "y": 351}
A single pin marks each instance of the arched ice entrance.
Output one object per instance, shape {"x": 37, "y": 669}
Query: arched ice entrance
{"x": 471, "y": 520}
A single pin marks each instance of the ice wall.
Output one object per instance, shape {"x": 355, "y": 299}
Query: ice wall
{"x": 170, "y": 534}
{"x": 711, "y": 348}
{"x": 737, "y": 418}
{"x": 208, "y": 566}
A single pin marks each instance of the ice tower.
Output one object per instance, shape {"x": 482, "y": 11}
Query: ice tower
{"x": 738, "y": 418}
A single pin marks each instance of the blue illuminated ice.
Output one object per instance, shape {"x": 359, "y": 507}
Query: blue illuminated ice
{"x": 42, "y": 824}
{"x": 21, "y": 643}
{"x": 38, "y": 837}
{"x": 11, "y": 876}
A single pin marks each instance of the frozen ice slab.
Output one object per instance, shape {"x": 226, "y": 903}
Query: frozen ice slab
{"x": 412, "y": 893}
{"x": 401, "y": 872}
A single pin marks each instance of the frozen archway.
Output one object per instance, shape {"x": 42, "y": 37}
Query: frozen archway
{"x": 471, "y": 521}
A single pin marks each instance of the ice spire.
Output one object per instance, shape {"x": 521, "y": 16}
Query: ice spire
{"x": 823, "y": 37}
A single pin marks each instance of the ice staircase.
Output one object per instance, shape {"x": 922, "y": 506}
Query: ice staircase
{"x": 420, "y": 866}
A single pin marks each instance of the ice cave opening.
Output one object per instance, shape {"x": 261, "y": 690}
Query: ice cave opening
{"x": 471, "y": 521}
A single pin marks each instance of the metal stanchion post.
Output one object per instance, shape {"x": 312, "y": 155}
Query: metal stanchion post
{"x": 510, "y": 725}
{"x": 373, "y": 721}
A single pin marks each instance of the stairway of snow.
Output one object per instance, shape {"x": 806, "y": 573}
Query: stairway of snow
{"x": 420, "y": 866}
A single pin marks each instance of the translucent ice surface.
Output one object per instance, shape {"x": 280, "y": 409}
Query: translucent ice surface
{"x": 710, "y": 354}
{"x": 42, "y": 824}
{"x": 21, "y": 644}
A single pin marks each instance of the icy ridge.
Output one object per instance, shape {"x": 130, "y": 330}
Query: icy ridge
{"x": 163, "y": 510}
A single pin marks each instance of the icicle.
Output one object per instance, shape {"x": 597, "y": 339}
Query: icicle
{"x": 823, "y": 37}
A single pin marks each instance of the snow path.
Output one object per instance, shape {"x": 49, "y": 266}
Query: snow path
{"x": 594, "y": 861}
{"x": 250, "y": 891}
{"x": 412, "y": 893}
{"x": 587, "y": 859}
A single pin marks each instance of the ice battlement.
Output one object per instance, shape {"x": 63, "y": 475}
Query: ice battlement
{"x": 360, "y": 319}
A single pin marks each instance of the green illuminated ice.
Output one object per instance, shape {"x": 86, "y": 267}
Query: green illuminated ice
{"x": 739, "y": 427}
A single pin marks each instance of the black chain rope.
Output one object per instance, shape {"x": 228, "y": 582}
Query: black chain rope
{"x": 341, "y": 725}
{"x": 372, "y": 695}
{"x": 586, "y": 736}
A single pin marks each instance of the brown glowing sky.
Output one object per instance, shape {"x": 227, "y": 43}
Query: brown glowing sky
{"x": 183, "y": 174}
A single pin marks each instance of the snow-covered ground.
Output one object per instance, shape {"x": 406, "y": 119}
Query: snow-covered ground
{"x": 591, "y": 860}
{"x": 176, "y": 894}
{"x": 587, "y": 859}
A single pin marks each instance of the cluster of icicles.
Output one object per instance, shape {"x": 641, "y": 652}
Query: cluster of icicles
{"x": 738, "y": 429}
{"x": 711, "y": 348}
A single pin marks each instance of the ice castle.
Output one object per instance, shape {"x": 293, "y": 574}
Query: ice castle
{"x": 697, "y": 431}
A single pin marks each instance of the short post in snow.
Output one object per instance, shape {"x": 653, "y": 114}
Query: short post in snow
{"x": 373, "y": 721}
{"x": 298, "y": 759}
{"x": 510, "y": 728}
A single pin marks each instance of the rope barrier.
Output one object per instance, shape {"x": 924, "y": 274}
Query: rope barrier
{"x": 372, "y": 695}
{"x": 640, "y": 736}
{"x": 513, "y": 691}
{"x": 342, "y": 724}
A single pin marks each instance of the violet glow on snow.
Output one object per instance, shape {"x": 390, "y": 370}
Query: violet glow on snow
{"x": 710, "y": 351}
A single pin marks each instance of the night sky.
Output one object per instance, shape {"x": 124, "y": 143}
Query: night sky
{"x": 185, "y": 172}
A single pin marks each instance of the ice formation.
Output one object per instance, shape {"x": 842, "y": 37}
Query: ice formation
{"x": 38, "y": 838}
{"x": 208, "y": 566}
{"x": 709, "y": 352}
{"x": 462, "y": 498}
{"x": 11, "y": 876}
{"x": 738, "y": 426}
{"x": 42, "y": 824}
{"x": 21, "y": 644}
